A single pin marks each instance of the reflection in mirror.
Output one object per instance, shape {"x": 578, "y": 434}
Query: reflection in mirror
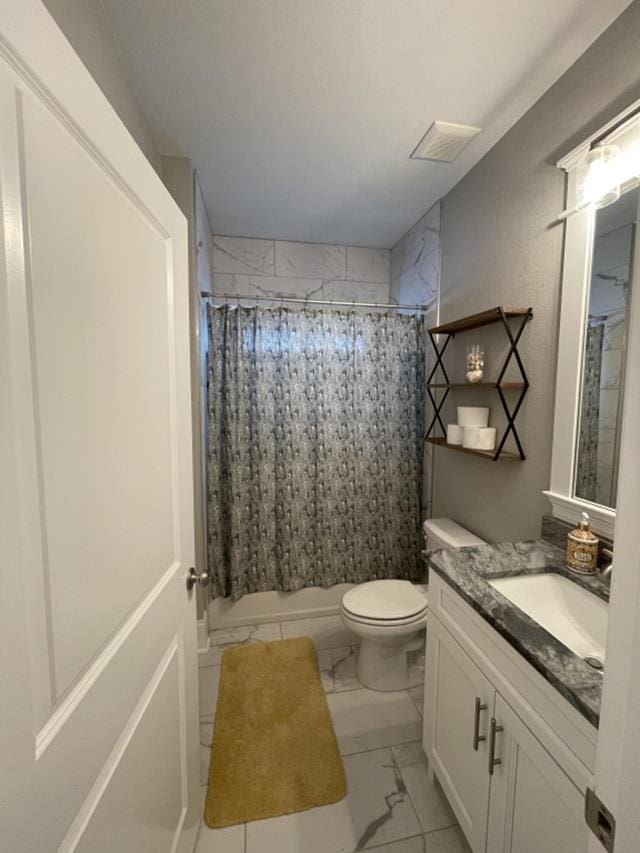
{"x": 604, "y": 355}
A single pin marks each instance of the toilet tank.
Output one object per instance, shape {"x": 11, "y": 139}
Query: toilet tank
{"x": 445, "y": 533}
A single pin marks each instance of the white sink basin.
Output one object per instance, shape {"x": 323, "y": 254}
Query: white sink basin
{"x": 574, "y": 616}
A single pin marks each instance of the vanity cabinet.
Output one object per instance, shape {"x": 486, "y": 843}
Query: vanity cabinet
{"x": 460, "y": 723}
{"x": 514, "y": 769}
{"x": 533, "y": 805}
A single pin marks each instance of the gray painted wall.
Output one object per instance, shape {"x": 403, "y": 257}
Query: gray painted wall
{"x": 87, "y": 28}
{"x": 500, "y": 245}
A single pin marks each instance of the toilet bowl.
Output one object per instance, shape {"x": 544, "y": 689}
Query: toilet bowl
{"x": 388, "y": 616}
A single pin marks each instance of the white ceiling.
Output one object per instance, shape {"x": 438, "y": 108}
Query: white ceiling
{"x": 300, "y": 115}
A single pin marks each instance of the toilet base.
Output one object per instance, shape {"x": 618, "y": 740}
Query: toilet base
{"x": 384, "y": 667}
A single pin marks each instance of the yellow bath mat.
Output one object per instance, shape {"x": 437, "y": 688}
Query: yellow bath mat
{"x": 274, "y": 750}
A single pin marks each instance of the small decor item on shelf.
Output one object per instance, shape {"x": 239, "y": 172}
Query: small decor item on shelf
{"x": 475, "y": 363}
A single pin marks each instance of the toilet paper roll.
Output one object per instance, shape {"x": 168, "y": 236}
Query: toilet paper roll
{"x": 455, "y": 434}
{"x": 479, "y": 438}
{"x": 473, "y": 416}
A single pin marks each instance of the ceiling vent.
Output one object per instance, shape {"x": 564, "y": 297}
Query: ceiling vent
{"x": 444, "y": 141}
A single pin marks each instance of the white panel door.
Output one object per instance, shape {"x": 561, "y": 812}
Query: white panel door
{"x": 534, "y": 806}
{"x": 458, "y": 706}
{"x": 99, "y": 746}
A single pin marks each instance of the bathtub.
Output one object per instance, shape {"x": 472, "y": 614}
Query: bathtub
{"x": 258, "y": 607}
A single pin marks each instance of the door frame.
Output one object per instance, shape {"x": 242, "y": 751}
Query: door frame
{"x": 617, "y": 774}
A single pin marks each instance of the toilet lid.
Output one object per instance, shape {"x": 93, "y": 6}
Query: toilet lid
{"x": 386, "y": 599}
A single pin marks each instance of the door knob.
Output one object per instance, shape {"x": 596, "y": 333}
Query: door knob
{"x": 193, "y": 578}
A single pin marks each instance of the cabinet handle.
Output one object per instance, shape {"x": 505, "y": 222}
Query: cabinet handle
{"x": 477, "y": 737}
{"x": 493, "y": 761}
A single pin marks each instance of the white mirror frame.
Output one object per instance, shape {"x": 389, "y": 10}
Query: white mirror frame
{"x": 576, "y": 280}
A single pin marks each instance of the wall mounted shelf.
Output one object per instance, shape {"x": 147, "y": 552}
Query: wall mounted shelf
{"x": 484, "y": 318}
{"x": 505, "y": 456}
{"x": 469, "y": 386}
{"x": 500, "y": 314}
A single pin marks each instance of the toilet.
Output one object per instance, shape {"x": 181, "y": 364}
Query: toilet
{"x": 388, "y": 615}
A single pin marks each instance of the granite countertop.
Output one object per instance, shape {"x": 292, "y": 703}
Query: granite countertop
{"x": 467, "y": 571}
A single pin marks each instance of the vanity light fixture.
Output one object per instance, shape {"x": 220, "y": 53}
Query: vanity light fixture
{"x": 601, "y": 179}
{"x": 605, "y": 166}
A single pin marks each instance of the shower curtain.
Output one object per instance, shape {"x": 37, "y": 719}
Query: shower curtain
{"x": 587, "y": 467}
{"x": 315, "y": 433}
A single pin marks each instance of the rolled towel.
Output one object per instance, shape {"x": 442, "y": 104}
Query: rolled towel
{"x": 479, "y": 438}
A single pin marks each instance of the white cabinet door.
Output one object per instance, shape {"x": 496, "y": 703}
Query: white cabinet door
{"x": 459, "y": 704}
{"x": 98, "y": 715}
{"x": 534, "y": 806}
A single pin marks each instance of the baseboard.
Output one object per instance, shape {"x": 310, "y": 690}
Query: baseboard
{"x": 202, "y": 627}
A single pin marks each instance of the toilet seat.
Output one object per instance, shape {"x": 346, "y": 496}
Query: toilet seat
{"x": 392, "y": 602}
{"x": 418, "y": 619}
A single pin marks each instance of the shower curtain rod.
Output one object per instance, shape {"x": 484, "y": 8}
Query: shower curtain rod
{"x": 238, "y": 296}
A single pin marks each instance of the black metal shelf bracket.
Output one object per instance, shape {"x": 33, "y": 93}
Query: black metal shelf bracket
{"x": 511, "y": 414}
{"x": 437, "y": 406}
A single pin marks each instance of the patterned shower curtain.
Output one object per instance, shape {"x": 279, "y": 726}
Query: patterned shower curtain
{"x": 587, "y": 467}
{"x": 315, "y": 432}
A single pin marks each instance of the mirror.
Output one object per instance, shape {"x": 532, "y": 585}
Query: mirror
{"x": 603, "y": 361}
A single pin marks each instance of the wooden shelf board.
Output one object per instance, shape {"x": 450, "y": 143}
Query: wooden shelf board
{"x": 505, "y": 455}
{"x": 475, "y": 321}
{"x": 469, "y": 386}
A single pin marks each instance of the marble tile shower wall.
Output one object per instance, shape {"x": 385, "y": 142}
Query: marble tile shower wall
{"x": 415, "y": 279}
{"x": 415, "y": 262}
{"x": 244, "y": 265}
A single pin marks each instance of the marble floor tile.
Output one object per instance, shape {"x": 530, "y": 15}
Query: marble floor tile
{"x": 327, "y": 632}
{"x": 415, "y": 666}
{"x": 208, "y": 681}
{"x": 376, "y": 810}
{"x": 408, "y": 753}
{"x": 417, "y": 694}
{"x": 229, "y": 839}
{"x": 206, "y": 736}
{"x": 366, "y": 719}
{"x": 407, "y": 845}
{"x": 442, "y": 841}
{"x": 338, "y": 669}
{"x": 432, "y": 808}
{"x": 224, "y": 638}
{"x": 446, "y": 841}
{"x": 210, "y": 657}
